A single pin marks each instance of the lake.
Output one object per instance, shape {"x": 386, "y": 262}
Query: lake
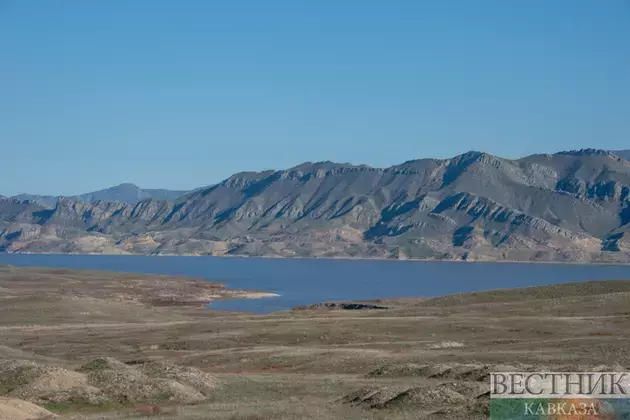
{"x": 305, "y": 281}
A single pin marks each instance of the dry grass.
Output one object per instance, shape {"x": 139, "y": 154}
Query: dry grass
{"x": 128, "y": 358}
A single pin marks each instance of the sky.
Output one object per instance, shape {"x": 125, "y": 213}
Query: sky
{"x": 180, "y": 94}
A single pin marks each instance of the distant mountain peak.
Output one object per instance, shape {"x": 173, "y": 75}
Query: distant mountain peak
{"x": 126, "y": 192}
{"x": 125, "y": 185}
{"x": 586, "y": 152}
{"x": 324, "y": 164}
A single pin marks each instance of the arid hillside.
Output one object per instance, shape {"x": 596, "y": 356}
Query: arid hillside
{"x": 90, "y": 345}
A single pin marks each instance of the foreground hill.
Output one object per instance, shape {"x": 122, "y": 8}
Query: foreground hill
{"x": 124, "y": 193}
{"x": 568, "y": 206}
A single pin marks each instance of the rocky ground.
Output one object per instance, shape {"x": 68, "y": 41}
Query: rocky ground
{"x": 92, "y": 345}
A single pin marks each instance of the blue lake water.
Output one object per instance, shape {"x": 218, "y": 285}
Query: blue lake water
{"x": 305, "y": 281}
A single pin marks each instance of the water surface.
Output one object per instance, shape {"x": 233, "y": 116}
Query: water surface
{"x": 305, "y": 281}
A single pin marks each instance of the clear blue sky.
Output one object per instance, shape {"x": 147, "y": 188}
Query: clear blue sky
{"x": 179, "y": 94}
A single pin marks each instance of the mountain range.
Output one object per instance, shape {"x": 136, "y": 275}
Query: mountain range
{"x": 125, "y": 193}
{"x": 567, "y": 206}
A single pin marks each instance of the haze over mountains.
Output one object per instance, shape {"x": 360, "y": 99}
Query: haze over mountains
{"x": 125, "y": 193}
{"x": 568, "y": 206}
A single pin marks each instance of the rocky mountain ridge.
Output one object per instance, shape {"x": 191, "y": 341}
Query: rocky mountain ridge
{"x": 568, "y": 206}
{"x": 622, "y": 153}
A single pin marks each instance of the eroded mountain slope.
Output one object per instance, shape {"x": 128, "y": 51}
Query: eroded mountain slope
{"x": 566, "y": 206}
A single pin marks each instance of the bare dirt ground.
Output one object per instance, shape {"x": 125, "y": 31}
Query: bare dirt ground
{"x": 97, "y": 345}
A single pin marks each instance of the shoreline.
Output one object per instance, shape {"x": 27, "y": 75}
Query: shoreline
{"x": 393, "y": 260}
{"x": 237, "y": 294}
{"x": 152, "y": 290}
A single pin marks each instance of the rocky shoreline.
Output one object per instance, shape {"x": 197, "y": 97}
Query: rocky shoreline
{"x": 123, "y": 288}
